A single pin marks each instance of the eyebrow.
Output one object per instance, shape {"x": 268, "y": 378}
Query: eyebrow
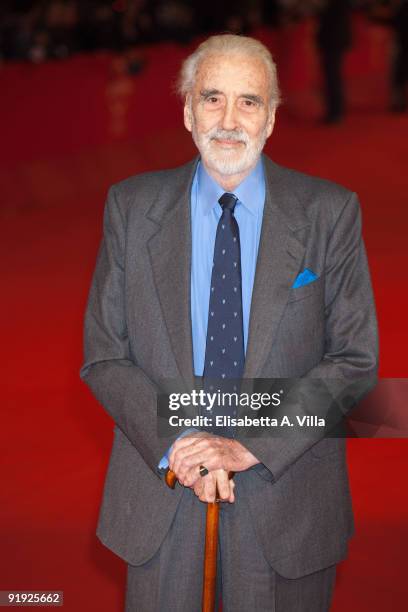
{"x": 253, "y": 97}
{"x": 207, "y": 93}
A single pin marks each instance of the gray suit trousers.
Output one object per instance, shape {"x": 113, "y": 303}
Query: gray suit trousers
{"x": 171, "y": 581}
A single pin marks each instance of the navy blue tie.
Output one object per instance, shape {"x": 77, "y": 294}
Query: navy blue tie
{"x": 224, "y": 354}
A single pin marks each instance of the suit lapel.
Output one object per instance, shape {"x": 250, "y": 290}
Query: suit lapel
{"x": 170, "y": 257}
{"x": 280, "y": 256}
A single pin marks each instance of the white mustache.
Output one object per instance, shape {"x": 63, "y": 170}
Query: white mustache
{"x": 234, "y": 135}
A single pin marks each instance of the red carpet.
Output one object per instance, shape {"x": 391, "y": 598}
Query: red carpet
{"x": 71, "y": 129}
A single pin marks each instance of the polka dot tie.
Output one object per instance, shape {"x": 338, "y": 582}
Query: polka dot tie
{"x": 224, "y": 354}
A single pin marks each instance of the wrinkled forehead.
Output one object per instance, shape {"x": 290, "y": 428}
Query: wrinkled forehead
{"x": 233, "y": 73}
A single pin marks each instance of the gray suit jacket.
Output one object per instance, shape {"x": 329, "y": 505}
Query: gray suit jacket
{"x": 138, "y": 331}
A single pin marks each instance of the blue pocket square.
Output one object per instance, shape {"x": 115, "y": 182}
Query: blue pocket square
{"x": 304, "y": 278}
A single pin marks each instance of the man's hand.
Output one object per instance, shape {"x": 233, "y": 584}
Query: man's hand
{"x": 205, "y": 487}
{"x": 214, "y": 452}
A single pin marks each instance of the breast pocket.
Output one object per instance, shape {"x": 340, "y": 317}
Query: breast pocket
{"x": 305, "y": 291}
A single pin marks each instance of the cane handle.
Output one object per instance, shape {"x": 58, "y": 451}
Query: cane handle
{"x": 171, "y": 478}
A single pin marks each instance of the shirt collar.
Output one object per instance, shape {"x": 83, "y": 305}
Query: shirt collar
{"x": 250, "y": 192}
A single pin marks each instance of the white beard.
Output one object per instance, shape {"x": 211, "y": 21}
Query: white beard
{"x": 228, "y": 162}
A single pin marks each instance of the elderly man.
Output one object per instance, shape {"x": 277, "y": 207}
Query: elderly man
{"x": 228, "y": 267}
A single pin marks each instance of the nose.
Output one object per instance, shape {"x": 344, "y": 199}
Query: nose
{"x": 229, "y": 119}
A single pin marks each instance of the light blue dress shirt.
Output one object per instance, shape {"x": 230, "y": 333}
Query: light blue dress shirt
{"x": 205, "y": 214}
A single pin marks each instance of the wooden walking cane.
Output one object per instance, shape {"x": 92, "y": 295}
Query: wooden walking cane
{"x": 211, "y": 543}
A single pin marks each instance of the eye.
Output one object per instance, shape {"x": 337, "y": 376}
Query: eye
{"x": 249, "y": 105}
{"x": 213, "y": 100}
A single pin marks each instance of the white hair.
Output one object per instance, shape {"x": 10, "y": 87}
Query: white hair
{"x": 228, "y": 44}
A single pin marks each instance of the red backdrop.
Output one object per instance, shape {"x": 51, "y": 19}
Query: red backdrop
{"x": 69, "y": 130}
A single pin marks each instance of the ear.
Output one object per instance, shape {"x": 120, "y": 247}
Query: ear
{"x": 271, "y": 122}
{"x": 187, "y": 113}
